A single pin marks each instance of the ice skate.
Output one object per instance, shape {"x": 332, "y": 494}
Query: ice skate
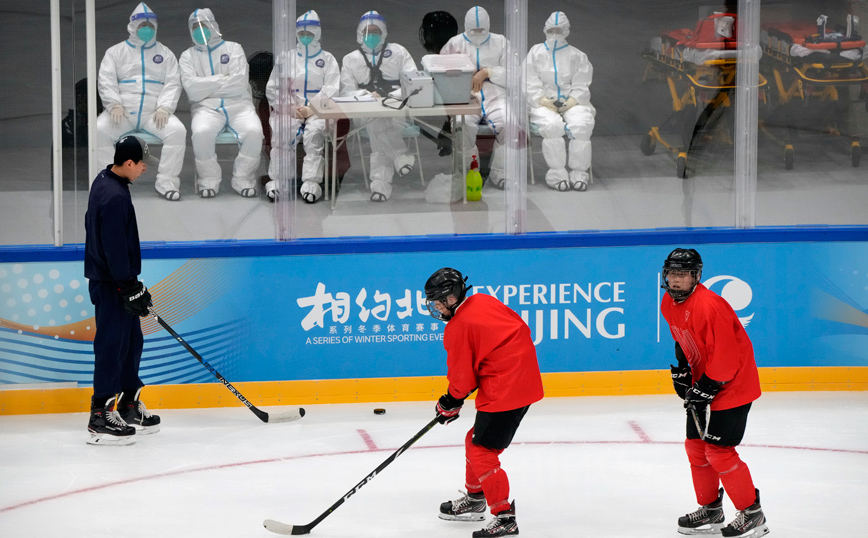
{"x": 469, "y": 507}
{"x": 135, "y": 414}
{"x": 503, "y": 524}
{"x": 748, "y": 523}
{"x": 707, "y": 520}
{"x": 106, "y": 426}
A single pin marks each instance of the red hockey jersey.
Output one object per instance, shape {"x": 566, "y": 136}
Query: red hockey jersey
{"x": 716, "y": 344}
{"x": 489, "y": 347}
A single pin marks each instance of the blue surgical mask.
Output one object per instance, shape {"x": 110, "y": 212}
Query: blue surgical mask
{"x": 305, "y": 39}
{"x": 372, "y": 41}
{"x": 201, "y": 35}
{"x": 146, "y": 33}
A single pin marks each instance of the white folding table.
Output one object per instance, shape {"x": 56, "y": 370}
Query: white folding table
{"x": 375, "y": 109}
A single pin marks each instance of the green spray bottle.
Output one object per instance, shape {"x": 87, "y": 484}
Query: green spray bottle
{"x": 474, "y": 182}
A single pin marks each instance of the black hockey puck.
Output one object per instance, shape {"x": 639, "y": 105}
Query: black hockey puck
{"x": 379, "y": 411}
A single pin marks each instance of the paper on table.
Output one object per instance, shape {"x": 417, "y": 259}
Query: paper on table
{"x": 354, "y": 99}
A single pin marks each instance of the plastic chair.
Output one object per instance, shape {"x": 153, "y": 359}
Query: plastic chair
{"x": 224, "y": 138}
{"x": 534, "y": 132}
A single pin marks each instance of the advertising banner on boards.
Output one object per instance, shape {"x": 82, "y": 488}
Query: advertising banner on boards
{"x": 364, "y": 315}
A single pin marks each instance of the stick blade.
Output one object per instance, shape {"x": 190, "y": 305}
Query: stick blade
{"x": 282, "y": 528}
{"x": 286, "y": 416}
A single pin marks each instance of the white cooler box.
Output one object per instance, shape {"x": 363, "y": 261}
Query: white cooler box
{"x": 453, "y": 77}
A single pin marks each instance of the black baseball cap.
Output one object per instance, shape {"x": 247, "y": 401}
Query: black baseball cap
{"x": 134, "y": 148}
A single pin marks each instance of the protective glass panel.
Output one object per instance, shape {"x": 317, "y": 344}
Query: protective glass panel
{"x": 386, "y": 140}
{"x": 190, "y": 82}
{"x": 815, "y": 113}
{"x": 632, "y": 115}
{"x": 27, "y": 207}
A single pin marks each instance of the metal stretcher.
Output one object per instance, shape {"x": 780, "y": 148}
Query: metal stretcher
{"x": 812, "y": 69}
{"x": 699, "y": 67}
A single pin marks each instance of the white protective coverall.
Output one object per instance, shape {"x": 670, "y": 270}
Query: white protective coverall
{"x": 557, "y": 71}
{"x": 388, "y": 150}
{"x": 487, "y": 51}
{"x": 215, "y": 77}
{"x": 318, "y": 78}
{"x": 142, "y": 78}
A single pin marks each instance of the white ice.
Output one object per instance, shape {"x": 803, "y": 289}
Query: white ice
{"x": 592, "y": 466}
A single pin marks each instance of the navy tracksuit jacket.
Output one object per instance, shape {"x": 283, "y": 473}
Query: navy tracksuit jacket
{"x": 113, "y": 260}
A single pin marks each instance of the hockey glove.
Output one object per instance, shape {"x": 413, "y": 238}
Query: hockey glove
{"x": 701, "y": 393}
{"x": 447, "y": 408}
{"x": 136, "y": 299}
{"x": 682, "y": 379}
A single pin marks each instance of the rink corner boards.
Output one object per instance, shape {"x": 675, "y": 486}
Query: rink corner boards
{"x": 34, "y": 399}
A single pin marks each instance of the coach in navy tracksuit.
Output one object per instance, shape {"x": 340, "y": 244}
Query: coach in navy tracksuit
{"x": 112, "y": 263}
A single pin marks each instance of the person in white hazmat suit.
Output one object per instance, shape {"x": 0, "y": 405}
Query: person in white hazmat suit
{"x": 139, "y": 86}
{"x": 558, "y": 90}
{"x": 487, "y": 51}
{"x": 318, "y": 78}
{"x": 214, "y": 73}
{"x": 373, "y": 70}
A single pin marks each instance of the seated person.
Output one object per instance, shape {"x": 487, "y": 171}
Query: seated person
{"x": 139, "y": 86}
{"x": 488, "y": 52}
{"x": 214, "y": 75}
{"x": 318, "y": 77}
{"x": 373, "y": 70}
{"x": 558, "y": 81}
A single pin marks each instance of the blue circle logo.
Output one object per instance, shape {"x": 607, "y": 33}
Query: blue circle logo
{"x": 388, "y": 53}
{"x": 158, "y": 59}
{"x": 224, "y": 59}
{"x": 320, "y": 63}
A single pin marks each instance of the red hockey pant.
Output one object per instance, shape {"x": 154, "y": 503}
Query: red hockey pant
{"x": 711, "y": 465}
{"x": 483, "y": 473}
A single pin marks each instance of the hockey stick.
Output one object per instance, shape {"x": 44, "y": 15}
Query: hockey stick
{"x": 283, "y": 528}
{"x": 696, "y": 422}
{"x": 287, "y": 416}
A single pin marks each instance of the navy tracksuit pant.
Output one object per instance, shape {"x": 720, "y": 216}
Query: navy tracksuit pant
{"x": 117, "y": 344}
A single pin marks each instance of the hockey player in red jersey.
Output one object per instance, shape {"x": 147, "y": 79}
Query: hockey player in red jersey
{"x": 488, "y": 349}
{"x": 716, "y": 372}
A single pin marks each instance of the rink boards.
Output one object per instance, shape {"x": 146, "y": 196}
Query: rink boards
{"x": 311, "y": 323}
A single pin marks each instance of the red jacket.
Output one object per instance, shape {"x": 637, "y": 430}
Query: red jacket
{"x": 716, "y": 344}
{"x": 488, "y": 346}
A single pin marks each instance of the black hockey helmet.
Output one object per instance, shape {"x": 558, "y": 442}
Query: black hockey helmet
{"x": 437, "y": 28}
{"x": 443, "y": 283}
{"x": 682, "y": 259}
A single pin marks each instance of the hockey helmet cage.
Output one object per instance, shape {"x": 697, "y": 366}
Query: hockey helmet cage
{"x": 682, "y": 259}
{"x": 443, "y": 283}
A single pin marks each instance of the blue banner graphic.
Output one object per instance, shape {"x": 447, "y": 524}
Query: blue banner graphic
{"x": 364, "y": 315}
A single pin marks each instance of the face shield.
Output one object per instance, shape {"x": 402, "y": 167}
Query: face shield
{"x": 202, "y": 27}
{"x": 201, "y": 33}
{"x": 305, "y": 37}
{"x": 372, "y": 36}
{"x": 146, "y": 31}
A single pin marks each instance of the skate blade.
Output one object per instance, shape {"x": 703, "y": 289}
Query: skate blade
{"x": 105, "y": 439}
{"x": 146, "y": 430}
{"x": 762, "y": 530}
{"x": 704, "y": 530}
{"x": 466, "y": 517}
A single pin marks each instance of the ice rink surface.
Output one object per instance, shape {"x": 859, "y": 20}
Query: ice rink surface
{"x": 592, "y": 466}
